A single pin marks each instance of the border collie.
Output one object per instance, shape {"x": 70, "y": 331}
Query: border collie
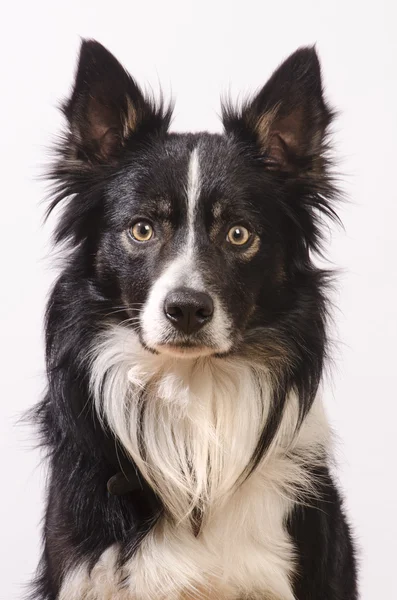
{"x": 188, "y": 447}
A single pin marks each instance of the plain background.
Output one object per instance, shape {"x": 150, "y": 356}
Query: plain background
{"x": 198, "y": 50}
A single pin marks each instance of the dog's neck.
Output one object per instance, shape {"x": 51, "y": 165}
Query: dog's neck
{"x": 192, "y": 425}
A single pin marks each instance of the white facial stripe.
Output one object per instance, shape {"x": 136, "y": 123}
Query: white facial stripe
{"x": 178, "y": 273}
{"x": 193, "y": 192}
{"x": 155, "y": 328}
{"x": 183, "y": 271}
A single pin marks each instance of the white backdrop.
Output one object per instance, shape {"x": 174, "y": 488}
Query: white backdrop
{"x": 197, "y": 50}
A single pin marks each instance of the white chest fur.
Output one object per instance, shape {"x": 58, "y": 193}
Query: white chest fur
{"x": 199, "y": 422}
{"x": 243, "y": 548}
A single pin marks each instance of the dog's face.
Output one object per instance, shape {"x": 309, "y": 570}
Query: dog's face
{"x": 193, "y": 235}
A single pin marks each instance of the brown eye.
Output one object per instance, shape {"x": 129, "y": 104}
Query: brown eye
{"x": 238, "y": 235}
{"x": 141, "y": 231}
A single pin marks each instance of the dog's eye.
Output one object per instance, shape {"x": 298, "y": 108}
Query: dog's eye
{"x": 238, "y": 235}
{"x": 142, "y": 231}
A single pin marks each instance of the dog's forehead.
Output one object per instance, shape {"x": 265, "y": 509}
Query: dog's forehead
{"x": 214, "y": 154}
{"x": 161, "y": 177}
{"x": 211, "y": 160}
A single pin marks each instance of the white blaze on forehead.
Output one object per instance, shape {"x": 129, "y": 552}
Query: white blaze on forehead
{"x": 193, "y": 192}
{"x": 184, "y": 271}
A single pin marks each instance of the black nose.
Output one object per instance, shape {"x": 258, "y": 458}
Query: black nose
{"x": 187, "y": 309}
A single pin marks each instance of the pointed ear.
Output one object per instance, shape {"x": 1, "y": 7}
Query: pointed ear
{"x": 288, "y": 118}
{"x": 107, "y": 108}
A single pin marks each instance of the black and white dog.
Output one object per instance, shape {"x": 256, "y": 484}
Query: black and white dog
{"x": 186, "y": 340}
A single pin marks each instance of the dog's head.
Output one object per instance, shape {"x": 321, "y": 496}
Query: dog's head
{"x": 197, "y": 240}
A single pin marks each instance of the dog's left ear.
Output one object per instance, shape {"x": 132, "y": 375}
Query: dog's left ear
{"x": 288, "y": 118}
{"x": 107, "y": 109}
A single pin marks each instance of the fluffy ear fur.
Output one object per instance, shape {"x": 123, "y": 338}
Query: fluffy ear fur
{"x": 288, "y": 118}
{"x": 107, "y": 115}
{"x": 107, "y": 108}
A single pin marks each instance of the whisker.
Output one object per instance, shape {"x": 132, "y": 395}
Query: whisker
{"x": 131, "y": 320}
{"x": 119, "y": 309}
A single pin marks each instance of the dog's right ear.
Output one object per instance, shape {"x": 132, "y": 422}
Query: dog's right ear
{"x": 107, "y": 109}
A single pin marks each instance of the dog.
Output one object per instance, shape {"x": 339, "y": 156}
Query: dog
{"x": 186, "y": 336}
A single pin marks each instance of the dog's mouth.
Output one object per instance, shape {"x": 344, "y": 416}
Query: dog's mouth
{"x": 185, "y": 349}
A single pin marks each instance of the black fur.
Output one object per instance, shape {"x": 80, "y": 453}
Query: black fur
{"x": 268, "y": 170}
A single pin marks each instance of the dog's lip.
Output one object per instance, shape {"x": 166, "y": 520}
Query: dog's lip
{"x": 185, "y": 349}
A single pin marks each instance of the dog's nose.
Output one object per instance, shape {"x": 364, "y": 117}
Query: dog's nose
{"x": 188, "y": 310}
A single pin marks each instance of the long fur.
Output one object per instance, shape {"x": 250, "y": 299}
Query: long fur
{"x": 219, "y": 438}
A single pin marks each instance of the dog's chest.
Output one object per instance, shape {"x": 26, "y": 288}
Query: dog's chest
{"x": 243, "y": 551}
